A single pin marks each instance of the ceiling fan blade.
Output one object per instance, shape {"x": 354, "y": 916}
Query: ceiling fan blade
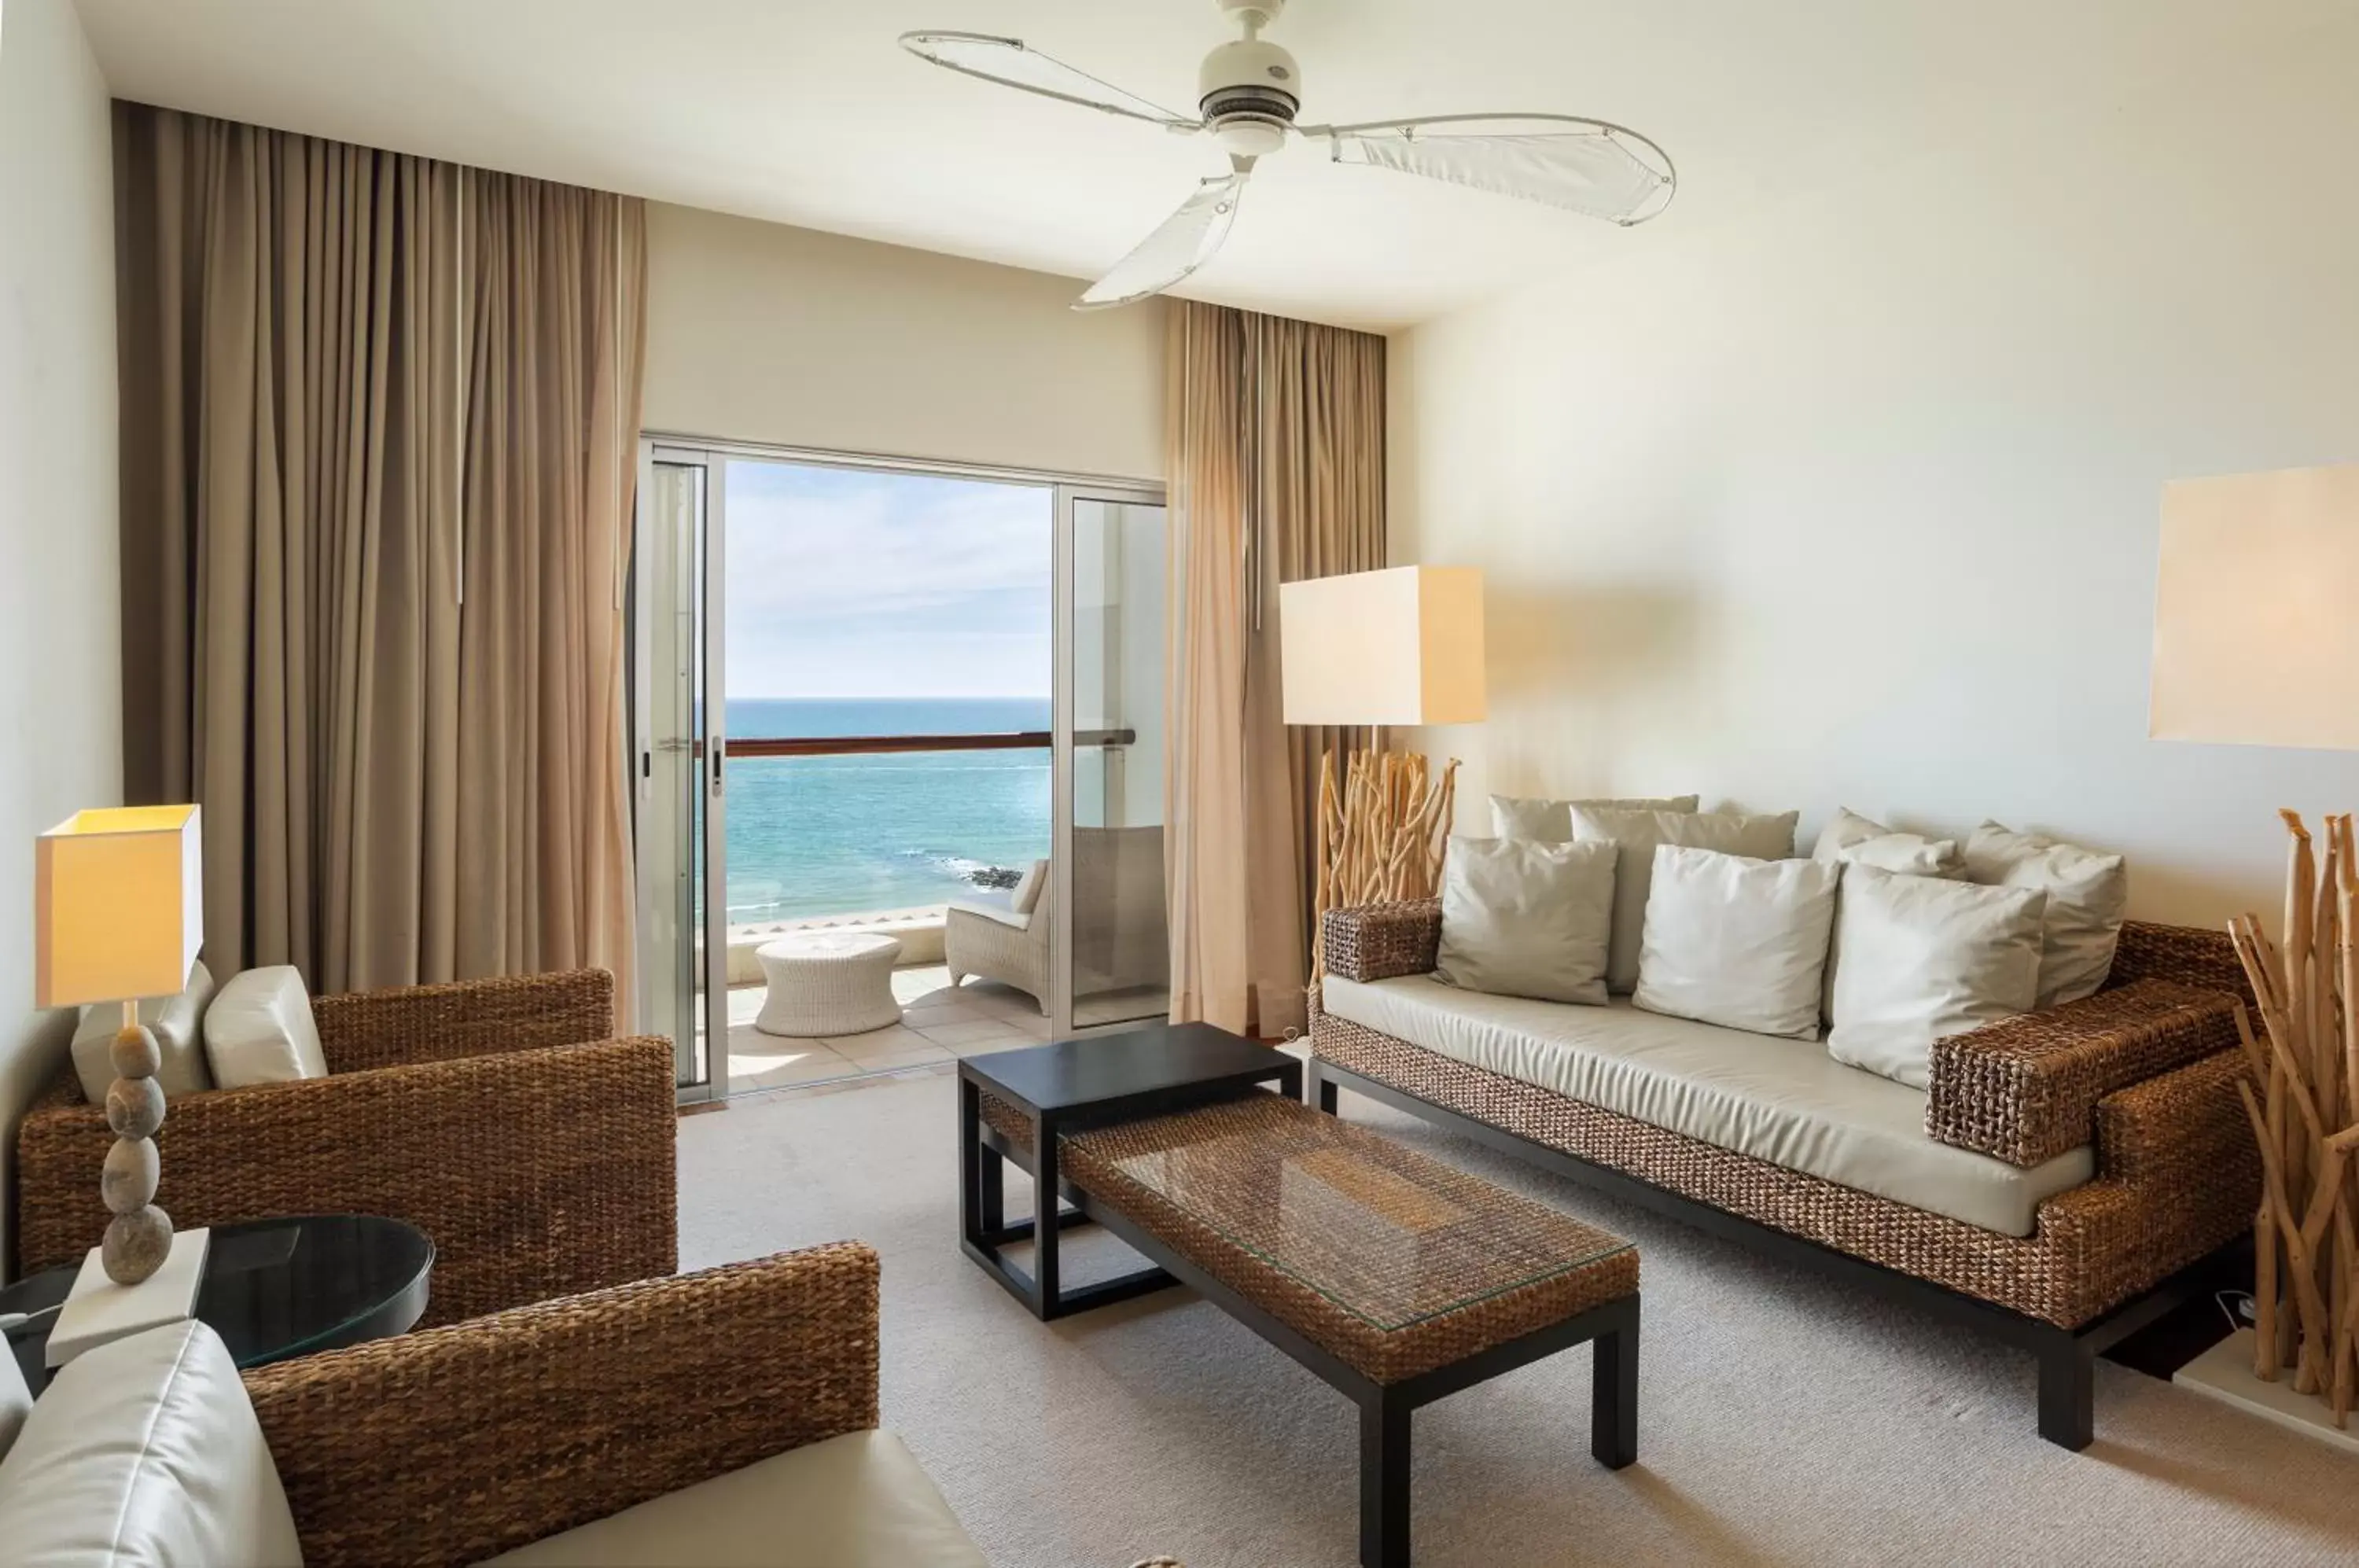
{"x": 1587, "y": 166}
{"x": 1185, "y": 242}
{"x": 1009, "y": 63}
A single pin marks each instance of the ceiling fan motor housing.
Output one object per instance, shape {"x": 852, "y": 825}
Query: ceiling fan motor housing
{"x": 1251, "y": 90}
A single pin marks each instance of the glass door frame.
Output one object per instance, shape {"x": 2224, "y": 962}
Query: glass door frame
{"x": 712, "y": 455}
{"x": 1064, "y": 646}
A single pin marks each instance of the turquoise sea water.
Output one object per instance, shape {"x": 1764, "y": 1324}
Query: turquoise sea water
{"x": 831, "y": 835}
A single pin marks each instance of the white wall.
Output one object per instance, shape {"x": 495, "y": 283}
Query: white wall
{"x": 1857, "y": 504}
{"x": 762, "y": 333}
{"x": 60, "y": 687}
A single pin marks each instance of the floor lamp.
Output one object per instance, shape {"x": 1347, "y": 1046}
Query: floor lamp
{"x": 2256, "y": 643}
{"x": 1381, "y": 650}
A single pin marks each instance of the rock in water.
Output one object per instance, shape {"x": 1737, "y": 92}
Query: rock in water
{"x": 136, "y": 1244}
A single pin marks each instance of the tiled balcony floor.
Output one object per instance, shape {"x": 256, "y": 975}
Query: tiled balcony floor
{"x": 938, "y": 1025}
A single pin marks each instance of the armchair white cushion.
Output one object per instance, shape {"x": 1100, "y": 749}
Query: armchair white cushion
{"x": 146, "y": 1451}
{"x": 260, "y": 1030}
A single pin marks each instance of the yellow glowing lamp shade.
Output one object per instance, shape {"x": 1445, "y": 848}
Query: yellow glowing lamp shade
{"x": 1397, "y": 646}
{"x": 2256, "y": 610}
{"x": 118, "y": 905}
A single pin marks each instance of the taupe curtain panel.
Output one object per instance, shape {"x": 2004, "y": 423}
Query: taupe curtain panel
{"x": 1276, "y": 458}
{"x": 379, "y": 422}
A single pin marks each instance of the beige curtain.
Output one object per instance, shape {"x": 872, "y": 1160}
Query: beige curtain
{"x": 378, "y": 447}
{"x": 1276, "y": 459}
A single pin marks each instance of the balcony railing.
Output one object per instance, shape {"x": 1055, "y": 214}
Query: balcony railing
{"x": 870, "y": 745}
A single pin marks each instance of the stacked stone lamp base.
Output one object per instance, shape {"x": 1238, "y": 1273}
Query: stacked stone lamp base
{"x": 139, "y": 1236}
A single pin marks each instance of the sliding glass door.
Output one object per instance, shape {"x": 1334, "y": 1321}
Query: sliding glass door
{"x": 882, "y": 698}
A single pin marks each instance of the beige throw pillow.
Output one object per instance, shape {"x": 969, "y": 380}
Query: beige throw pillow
{"x": 1737, "y": 942}
{"x": 1550, "y": 822}
{"x": 1526, "y": 919}
{"x": 1854, "y": 840}
{"x": 1635, "y": 835}
{"x": 260, "y": 1030}
{"x": 1923, "y": 959}
{"x": 2088, "y": 894}
{"x": 178, "y": 1024}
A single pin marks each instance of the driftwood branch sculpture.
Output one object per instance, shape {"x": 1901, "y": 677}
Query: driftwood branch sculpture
{"x": 1384, "y": 827}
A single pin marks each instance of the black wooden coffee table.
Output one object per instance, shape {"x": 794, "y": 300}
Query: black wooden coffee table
{"x": 1069, "y": 1087}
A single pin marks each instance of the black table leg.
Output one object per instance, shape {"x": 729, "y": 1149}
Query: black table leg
{"x": 1045, "y": 1228}
{"x": 1614, "y": 1393}
{"x": 1384, "y": 1480}
{"x": 1322, "y": 1089}
{"x": 975, "y": 1219}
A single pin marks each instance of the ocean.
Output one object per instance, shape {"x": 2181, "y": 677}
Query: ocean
{"x": 835, "y": 835}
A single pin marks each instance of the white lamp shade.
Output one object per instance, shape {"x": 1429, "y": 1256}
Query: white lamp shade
{"x": 2256, "y": 610}
{"x": 118, "y": 905}
{"x": 1399, "y": 647}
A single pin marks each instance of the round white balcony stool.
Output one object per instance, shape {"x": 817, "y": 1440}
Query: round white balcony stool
{"x": 825, "y": 983}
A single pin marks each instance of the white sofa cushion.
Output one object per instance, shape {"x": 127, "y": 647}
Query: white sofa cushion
{"x": 260, "y": 1030}
{"x": 1784, "y": 1101}
{"x": 1550, "y": 822}
{"x": 1736, "y": 942}
{"x": 178, "y": 1024}
{"x": 2088, "y": 894}
{"x": 1525, "y": 919}
{"x": 1637, "y": 833}
{"x": 1923, "y": 959}
{"x": 1854, "y": 840}
{"x": 855, "y": 1501}
{"x": 146, "y": 1451}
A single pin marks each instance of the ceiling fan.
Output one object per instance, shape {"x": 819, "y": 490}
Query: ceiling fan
{"x": 1251, "y": 92}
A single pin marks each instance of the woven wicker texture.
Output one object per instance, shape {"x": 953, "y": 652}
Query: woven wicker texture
{"x": 539, "y": 1166}
{"x": 821, "y": 983}
{"x": 2205, "y": 959}
{"x": 1394, "y": 1261}
{"x": 2177, "y": 1177}
{"x": 2025, "y": 1089}
{"x": 1384, "y": 942}
{"x": 457, "y": 1443}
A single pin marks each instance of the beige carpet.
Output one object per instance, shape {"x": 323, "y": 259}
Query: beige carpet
{"x": 1782, "y": 1422}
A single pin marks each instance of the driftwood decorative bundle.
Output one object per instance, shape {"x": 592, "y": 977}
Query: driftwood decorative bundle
{"x": 1383, "y": 830}
{"x": 2306, "y": 1116}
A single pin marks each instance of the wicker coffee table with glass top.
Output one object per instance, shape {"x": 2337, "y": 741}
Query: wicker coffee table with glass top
{"x": 1396, "y": 1277}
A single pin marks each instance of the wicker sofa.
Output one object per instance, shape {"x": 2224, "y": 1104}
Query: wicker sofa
{"x": 498, "y": 1116}
{"x": 614, "y": 1428}
{"x": 2137, "y": 1084}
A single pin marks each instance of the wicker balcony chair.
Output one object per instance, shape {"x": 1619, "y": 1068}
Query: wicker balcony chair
{"x": 496, "y": 1116}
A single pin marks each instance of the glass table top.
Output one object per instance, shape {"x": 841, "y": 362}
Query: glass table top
{"x": 1383, "y": 1232}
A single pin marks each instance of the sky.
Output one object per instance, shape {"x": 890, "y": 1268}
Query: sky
{"x": 846, "y": 583}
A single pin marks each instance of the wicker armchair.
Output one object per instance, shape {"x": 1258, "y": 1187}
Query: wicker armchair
{"x": 495, "y": 1115}
{"x": 457, "y": 1443}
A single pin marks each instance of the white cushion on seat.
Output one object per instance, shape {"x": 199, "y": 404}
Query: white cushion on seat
{"x": 855, "y": 1501}
{"x": 146, "y": 1451}
{"x": 177, "y": 1023}
{"x": 1784, "y": 1101}
{"x": 260, "y": 1030}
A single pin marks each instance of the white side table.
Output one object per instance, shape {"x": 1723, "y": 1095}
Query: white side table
{"x": 828, "y": 983}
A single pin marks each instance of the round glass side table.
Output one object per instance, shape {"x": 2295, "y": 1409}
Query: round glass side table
{"x": 273, "y": 1289}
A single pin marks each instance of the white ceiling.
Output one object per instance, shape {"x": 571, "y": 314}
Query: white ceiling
{"x": 807, "y": 112}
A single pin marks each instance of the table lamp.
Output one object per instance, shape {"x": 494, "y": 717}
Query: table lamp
{"x": 1378, "y": 649}
{"x": 2256, "y": 643}
{"x": 118, "y": 917}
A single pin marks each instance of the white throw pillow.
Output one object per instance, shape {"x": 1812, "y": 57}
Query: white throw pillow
{"x": 1923, "y": 959}
{"x": 1027, "y": 891}
{"x": 176, "y": 1021}
{"x": 1737, "y": 942}
{"x": 1854, "y": 840}
{"x": 2088, "y": 894}
{"x": 1520, "y": 918}
{"x": 1550, "y": 822}
{"x": 146, "y": 1451}
{"x": 260, "y": 1030}
{"x": 1636, "y": 835}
